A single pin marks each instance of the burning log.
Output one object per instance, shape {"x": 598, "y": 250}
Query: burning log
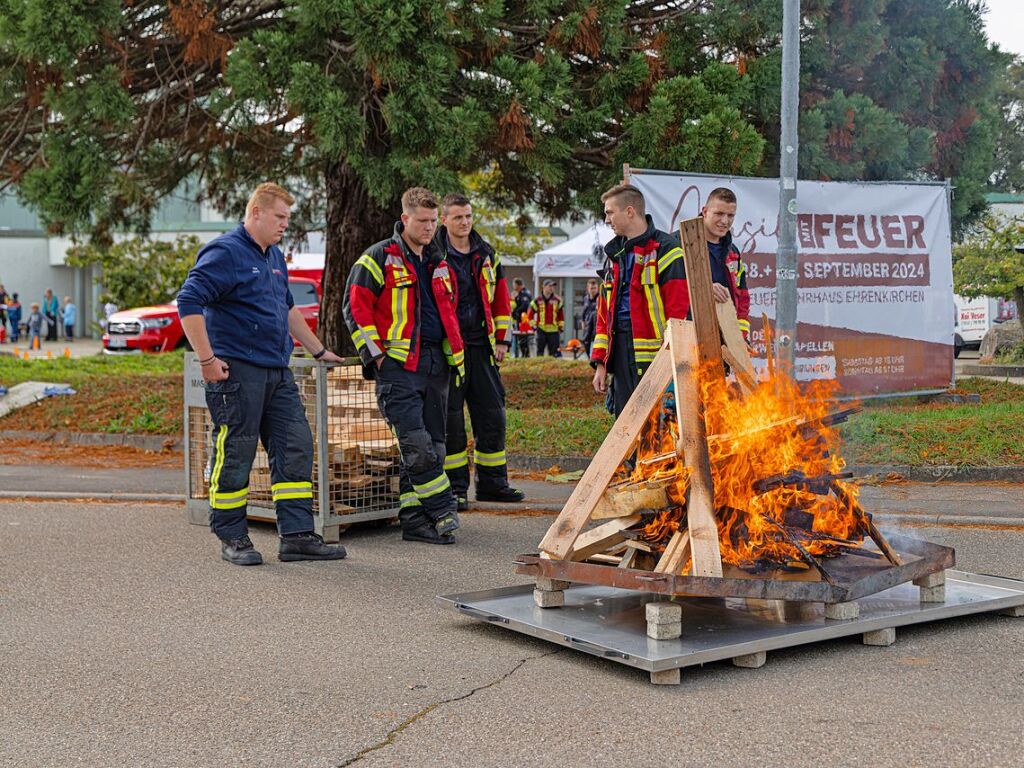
{"x": 677, "y": 553}
{"x": 819, "y": 485}
{"x": 807, "y": 556}
{"x": 867, "y": 523}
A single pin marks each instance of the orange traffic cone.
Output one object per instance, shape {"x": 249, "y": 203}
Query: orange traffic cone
{"x": 35, "y": 342}
{"x": 67, "y": 352}
{"x": 49, "y": 355}
{"x": 26, "y": 354}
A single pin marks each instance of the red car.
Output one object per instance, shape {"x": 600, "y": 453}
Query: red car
{"x": 158, "y": 328}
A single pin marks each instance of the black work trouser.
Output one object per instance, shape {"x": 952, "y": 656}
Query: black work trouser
{"x": 623, "y": 369}
{"x": 414, "y": 404}
{"x": 548, "y": 341}
{"x": 482, "y": 391}
{"x": 51, "y": 326}
{"x": 255, "y": 405}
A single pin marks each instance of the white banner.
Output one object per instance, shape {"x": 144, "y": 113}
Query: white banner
{"x": 874, "y": 277}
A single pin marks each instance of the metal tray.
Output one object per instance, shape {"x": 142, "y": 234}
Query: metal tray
{"x": 610, "y": 622}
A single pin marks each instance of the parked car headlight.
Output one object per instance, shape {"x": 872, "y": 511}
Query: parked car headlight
{"x": 155, "y": 322}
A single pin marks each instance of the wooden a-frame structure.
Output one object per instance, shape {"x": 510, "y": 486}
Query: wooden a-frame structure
{"x": 711, "y": 338}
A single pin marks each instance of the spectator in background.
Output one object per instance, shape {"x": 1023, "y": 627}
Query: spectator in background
{"x": 547, "y": 316}
{"x": 14, "y": 316}
{"x": 108, "y": 309}
{"x": 588, "y": 323}
{"x": 51, "y": 308}
{"x": 521, "y": 298}
{"x": 34, "y": 326}
{"x": 3, "y": 311}
{"x": 70, "y": 316}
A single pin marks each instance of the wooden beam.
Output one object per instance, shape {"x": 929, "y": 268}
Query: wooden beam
{"x": 700, "y": 506}
{"x": 698, "y": 282}
{"x": 868, "y": 524}
{"x": 676, "y": 553}
{"x": 735, "y": 349}
{"x": 629, "y": 498}
{"x": 617, "y": 446}
{"x": 747, "y": 383}
{"x": 602, "y": 537}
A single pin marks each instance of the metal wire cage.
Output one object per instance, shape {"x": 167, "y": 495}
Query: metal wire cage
{"x": 355, "y": 454}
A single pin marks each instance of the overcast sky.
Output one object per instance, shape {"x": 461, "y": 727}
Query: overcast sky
{"x": 1005, "y": 24}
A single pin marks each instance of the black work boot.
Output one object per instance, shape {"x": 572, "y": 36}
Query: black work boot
{"x": 307, "y": 546}
{"x": 448, "y": 522}
{"x": 506, "y": 494}
{"x": 240, "y": 551}
{"x": 428, "y": 534}
{"x": 461, "y": 503}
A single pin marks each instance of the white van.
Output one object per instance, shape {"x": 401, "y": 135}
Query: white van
{"x": 974, "y": 317}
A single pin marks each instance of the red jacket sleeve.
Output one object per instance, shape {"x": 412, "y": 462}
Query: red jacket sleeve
{"x": 738, "y": 286}
{"x": 501, "y": 306}
{"x": 599, "y": 350}
{"x": 365, "y": 284}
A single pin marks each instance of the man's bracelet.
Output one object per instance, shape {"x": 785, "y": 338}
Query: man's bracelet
{"x": 320, "y": 354}
{"x": 208, "y": 360}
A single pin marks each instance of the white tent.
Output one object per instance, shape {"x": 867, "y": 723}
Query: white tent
{"x": 581, "y": 256}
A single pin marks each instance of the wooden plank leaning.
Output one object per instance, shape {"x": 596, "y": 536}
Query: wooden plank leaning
{"x": 602, "y": 537}
{"x": 702, "y": 299}
{"x": 700, "y": 507}
{"x": 617, "y": 446}
{"x": 735, "y": 351}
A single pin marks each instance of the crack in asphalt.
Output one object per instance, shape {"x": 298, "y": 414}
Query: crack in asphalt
{"x": 390, "y": 737}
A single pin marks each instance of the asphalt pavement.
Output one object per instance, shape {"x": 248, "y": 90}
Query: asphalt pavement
{"x": 126, "y": 641}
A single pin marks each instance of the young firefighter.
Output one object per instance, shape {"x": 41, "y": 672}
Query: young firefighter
{"x": 548, "y": 317}
{"x": 728, "y": 272}
{"x": 237, "y": 313}
{"x": 400, "y": 307}
{"x": 644, "y": 285}
{"x": 521, "y": 299}
{"x": 484, "y": 314}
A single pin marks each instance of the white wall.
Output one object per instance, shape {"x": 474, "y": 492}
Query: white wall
{"x": 25, "y": 269}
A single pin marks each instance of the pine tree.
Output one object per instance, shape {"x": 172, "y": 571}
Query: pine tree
{"x": 107, "y": 107}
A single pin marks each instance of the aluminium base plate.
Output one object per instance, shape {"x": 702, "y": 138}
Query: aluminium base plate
{"x": 611, "y": 623}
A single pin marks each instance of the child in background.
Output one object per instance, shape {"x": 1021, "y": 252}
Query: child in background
{"x": 34, "y": 324}
{"x": 14, "y": 316}
{"x": 70, "y": 315}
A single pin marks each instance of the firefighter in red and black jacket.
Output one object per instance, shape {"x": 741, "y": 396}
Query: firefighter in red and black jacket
{"x": 483, "y": 312}
{"x": 400, "y": 307}
{"x": 644, "y": 286}
{"x": 547, "y": 315}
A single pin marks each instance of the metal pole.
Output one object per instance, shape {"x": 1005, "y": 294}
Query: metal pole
{"x": 786, "y": 256}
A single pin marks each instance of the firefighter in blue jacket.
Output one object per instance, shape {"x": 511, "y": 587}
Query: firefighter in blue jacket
{"x": 239, "y": 316}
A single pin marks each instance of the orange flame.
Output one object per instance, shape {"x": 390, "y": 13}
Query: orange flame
{"x": 777, "y": 431}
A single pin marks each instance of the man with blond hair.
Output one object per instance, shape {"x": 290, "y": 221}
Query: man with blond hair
{"x": 400, "y": 307}
{"x": 237, "y": 313}
{"x": 643, "y": 286}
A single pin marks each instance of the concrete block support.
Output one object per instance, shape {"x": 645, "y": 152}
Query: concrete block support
{"x": 842, "y": 611}
{"x": 931, "y": 580}
{"x": 1016, "y": 611}
{"x": 933, "y": 587}
{"x": 881, "y": 637}
{"x": 549, "y": 598}
{"x": 551, "y": 585}
{"x": 664, "y": 620}
{"x": 751, "y": 660}
{"x": 933, "y": 594}
{"x": 666, "y": 677}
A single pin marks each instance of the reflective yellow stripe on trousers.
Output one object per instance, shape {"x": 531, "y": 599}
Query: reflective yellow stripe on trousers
{"x": 295, "y": 490}
{"x": 489, "y": 459}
